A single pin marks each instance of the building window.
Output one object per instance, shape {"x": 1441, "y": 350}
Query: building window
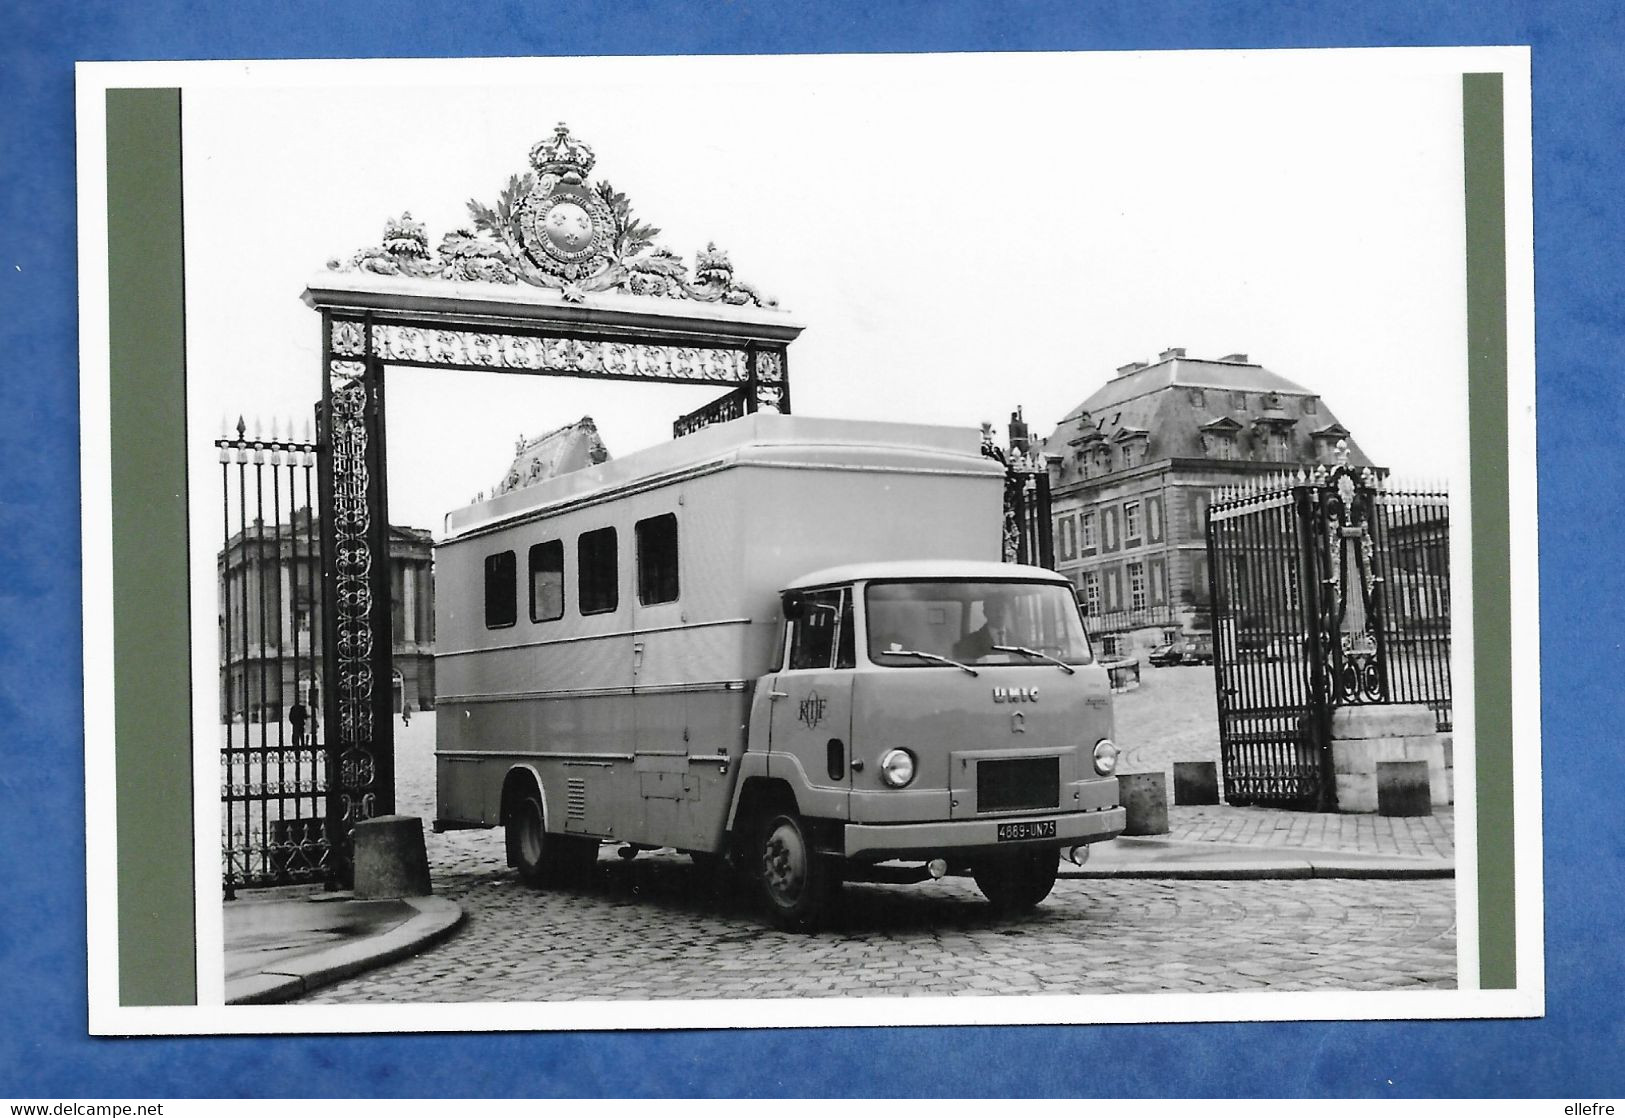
{"x": 1086, "y": 531}
{"x": 1159, "y": 589}
{"x": 501, "y": 590}
{"x": 1128, "y": 455}
{"x": 1153, "y": 519}
{"x": 1238, "y": 400}
{"x": 597, "y": 589}
{"x": 1197, "y": 398}
{"x": 1109, "y": 530}
{"x": 1131, "y": 523}
{"x": 1091, "y": 594}
{"x": 1067, "y": 529}
{"x": 1136, "y": 585}
{"x": 1310, "y": 405}
{"x": 547, "y": 581}
{"x": 657, "y": 559}
{"x": 1278, "y": 448}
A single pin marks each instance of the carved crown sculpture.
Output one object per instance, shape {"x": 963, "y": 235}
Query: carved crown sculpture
{"x": 550, "y": 229}
{"x": 570, "y": 159}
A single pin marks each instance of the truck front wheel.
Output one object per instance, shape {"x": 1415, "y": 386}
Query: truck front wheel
{"x": 795, "y": 881}
{"x": 1017, "y": 882}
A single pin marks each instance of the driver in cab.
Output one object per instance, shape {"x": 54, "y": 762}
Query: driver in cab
{"x": 997, "y": 630}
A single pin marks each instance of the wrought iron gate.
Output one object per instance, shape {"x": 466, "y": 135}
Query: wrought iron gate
{"x": 1327, "y": 591}
{"x": 273, "y": 765}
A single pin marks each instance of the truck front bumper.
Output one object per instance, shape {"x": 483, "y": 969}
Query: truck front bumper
{"x": 880, "y": 842}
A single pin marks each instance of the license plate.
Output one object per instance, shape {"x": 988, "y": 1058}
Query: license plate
{"x": 1014, "y": 832}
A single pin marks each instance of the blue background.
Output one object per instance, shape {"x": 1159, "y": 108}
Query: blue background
{"x": 1575, "y": 1051}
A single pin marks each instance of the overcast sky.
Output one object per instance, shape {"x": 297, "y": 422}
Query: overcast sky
{"x": 960, "y": 235}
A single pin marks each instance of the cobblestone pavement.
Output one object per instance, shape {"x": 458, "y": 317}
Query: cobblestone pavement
{"x": 650, "y": 929}
{"x": 1431, "y": 836}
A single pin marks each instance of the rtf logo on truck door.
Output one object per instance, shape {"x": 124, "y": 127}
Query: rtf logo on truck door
{"x": 811, "y": 711}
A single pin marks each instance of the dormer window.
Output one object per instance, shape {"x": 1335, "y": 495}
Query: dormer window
{"x": 1219, "y": 438}
{"x": 1310, "y": 405}
{"x": 1198, "y": 398}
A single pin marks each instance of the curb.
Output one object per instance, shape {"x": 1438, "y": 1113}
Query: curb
{"x": 1286, "y": 870}
{"x": 435, "y": 919}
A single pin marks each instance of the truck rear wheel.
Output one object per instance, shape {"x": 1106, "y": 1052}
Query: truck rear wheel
{"x": 542, "y": 858}
{"x": 796, "y": 882}
{"x": 1017, "y": 882}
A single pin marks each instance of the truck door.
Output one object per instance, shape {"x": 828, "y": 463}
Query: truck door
{"x": 811, "y": 732}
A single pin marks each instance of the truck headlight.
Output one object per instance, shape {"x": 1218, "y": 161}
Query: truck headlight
{"x": 1105, "y": 757}
{"x": 897, "y": 767}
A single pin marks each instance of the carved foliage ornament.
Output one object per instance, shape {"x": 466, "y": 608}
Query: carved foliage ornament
{"x": 550, "y": 229}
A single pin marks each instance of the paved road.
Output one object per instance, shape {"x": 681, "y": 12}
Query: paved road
{"x": 650, "y": 929}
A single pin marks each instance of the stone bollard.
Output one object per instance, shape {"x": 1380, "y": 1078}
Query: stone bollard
{"x": 1402, "y": 788}
{"x": 1145, "y": 803}
{"x": 1196, "y": 782}
{"x": 390, "y": 859}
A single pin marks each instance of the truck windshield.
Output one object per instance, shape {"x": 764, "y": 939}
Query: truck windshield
{"x": 920, "y": 624}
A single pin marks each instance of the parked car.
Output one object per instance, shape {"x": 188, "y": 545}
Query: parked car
{"x": 1198, "y": 650}
{"x": 1165, "y": 654}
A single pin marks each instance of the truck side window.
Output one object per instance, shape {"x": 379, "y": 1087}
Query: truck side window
{"x": 822, "y": 636}
{"x": 598, "y": 590}
{"x": 547, "y": 581}
{"x": 501, "y": 590}
{"x": 657, "y": 559}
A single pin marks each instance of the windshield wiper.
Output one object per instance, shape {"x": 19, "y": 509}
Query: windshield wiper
{"x": 1037, "y": 655}
{"x": 932, "y": 656}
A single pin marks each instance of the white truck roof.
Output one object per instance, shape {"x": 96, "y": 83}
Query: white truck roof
{"x": 967, "y": 569}
{"x": 765, "y": 438}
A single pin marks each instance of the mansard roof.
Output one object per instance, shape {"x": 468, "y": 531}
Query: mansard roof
{"x": 1158, "y": 398}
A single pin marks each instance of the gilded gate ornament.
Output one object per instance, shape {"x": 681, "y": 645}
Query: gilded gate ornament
{"x": 550, "y": 228}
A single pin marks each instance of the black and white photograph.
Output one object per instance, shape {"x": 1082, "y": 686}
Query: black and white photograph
{"x": 839, "y": 540}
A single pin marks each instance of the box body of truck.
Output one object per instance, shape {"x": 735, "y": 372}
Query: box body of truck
{"x": 619, "y": 645}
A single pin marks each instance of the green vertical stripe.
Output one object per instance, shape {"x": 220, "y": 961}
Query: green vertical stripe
{"x": 151, "y": 654}
{"x": 1485, "y": 165}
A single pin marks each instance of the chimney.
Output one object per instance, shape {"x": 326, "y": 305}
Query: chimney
{"x": 1131, "y": 367}
{"x": 1237, "y": 358}
{"x": 1176, "y": 351}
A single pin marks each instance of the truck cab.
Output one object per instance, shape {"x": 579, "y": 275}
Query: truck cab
{"x": 947, "y": 713}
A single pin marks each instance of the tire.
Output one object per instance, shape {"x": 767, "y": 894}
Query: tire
{"x": 794, "y": 881}
{"x": 1017, "y": 882}
{"x": 544, "y": 859}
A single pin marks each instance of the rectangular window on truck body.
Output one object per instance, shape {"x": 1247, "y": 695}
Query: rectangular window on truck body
{"x": 547, "y": 581}
{"x": 657, "y": 559}
{"x": 501, "y": 590}
{"x": 597, "y": 589}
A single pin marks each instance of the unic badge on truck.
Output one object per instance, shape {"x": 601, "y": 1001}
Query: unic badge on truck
{"x": 782, "y": 645}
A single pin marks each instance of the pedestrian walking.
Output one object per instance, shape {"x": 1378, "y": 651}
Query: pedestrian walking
{"x": 298, "y": 716}
{"x": 406, "y": 713}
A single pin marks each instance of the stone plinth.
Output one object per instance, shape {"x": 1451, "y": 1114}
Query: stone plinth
{"x": 1195, "y": 782}
{"x": 1144, "y": 797}
{"x": 390, "y": 859}
{"x": 1364, "y": 736}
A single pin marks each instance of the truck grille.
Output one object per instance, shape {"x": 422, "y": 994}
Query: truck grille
{"x": 1019, "y": 784}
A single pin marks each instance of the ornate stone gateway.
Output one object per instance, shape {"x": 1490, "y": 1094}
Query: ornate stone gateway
{"x": 557, "y": 278}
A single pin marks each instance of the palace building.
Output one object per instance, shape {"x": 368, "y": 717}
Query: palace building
{"x": 1132, "y": 470}
{"x": 268, "y": 580}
